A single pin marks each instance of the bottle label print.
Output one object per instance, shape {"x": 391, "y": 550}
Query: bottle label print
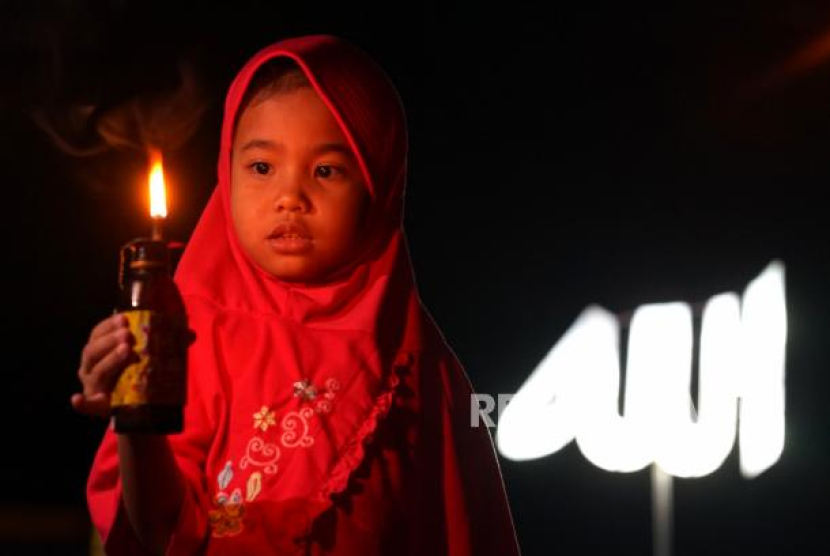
{"x": 155, "y": 374}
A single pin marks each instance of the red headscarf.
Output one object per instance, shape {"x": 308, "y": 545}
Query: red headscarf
{"x": 328, "y": 419}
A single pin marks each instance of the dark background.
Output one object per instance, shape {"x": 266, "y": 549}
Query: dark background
{"x": 574, "y": 153}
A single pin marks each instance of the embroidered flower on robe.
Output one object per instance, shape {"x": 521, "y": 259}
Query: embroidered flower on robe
{"x": 226, "y": 520}
{"x": 264, "y": 418}
{"x": 305, "y": 390}
{"x": 225, "y": 476}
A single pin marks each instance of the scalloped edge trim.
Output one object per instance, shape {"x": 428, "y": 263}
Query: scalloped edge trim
{"x": 354, "y": 450}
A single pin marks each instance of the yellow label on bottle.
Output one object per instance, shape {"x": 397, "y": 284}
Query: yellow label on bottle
{"x": 156, "y": 372}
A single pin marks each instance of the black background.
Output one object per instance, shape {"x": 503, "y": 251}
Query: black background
{"x": 619, "y": 153}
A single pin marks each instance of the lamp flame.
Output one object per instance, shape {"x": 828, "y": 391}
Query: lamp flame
{"x": 158, "y": 197}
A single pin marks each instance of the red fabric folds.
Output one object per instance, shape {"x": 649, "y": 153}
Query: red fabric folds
{"x": 326, "y": 419}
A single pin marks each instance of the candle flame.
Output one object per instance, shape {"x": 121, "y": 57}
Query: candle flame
{"x": 158, "y": 197}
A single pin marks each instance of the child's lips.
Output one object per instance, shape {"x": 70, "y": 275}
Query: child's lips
{"x": 290, "y": 245}
{"x": 290, "y": 238}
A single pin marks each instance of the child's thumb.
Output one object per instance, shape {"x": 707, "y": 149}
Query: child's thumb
{"x": 96, "y": 405}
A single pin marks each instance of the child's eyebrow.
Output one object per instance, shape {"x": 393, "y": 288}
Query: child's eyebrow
{"x": 321, "y": 149}
{"x": 259, "y": 144}
{"x": 341, "y": 148}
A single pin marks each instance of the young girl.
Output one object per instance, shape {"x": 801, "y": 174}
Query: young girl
{"x": 325, "y": 412}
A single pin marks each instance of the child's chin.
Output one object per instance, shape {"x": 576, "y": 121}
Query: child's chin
{"x": 296, "y": 270}
{"x": 291, "y": 277}
{"x": 293, "y": 274}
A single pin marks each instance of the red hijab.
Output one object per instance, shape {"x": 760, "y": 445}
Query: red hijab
{"x": 307, "y": 397}
{"x": 367, "y": 107}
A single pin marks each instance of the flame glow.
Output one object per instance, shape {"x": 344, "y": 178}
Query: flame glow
{"x": 158, "y": 197}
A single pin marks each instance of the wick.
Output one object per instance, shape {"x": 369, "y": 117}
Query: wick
{"x": 157, "y": 227}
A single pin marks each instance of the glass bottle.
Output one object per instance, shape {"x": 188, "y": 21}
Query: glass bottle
{"x": 149, "y": 395}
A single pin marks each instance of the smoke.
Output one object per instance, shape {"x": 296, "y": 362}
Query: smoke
{"x": 162, "y": 120}
{"x": 98, "y": 76}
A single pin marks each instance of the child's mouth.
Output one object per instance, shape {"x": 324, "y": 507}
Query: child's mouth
{"x": 290, "y": 245}
{"x": 289, "y": 238}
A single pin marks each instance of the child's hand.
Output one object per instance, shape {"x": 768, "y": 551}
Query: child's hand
{"x": 103, "y": 358}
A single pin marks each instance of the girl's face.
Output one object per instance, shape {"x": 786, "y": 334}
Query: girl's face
{"x": 298, "y": 196}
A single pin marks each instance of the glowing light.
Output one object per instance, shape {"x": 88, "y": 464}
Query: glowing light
{"x": 698, "y": 444}
{"x": 764, "y": 320}
{"x": 659, "y": 357}
{"x": 541, "y": 416}
{"x": 573, "y": 392}
{"x": 158, "y": 198}
{"x": 609, "y": 440}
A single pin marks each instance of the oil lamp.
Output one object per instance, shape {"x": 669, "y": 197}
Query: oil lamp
{"x": 149, "y": 394}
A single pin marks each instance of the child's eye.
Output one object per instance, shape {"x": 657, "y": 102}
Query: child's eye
{"x": 260, "y": 168}
{"x": 327, "y": 171}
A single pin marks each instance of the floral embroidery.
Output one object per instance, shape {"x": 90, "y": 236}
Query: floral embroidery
{"x": 225, "y": 476}
{"x": 227, "y": 519}
{"x": 295, "y": 425}
{"x": 236, "y": 496}
{"x": 270, "y": 453}
{"x": 332, "y": 386}
{"x": 305, "y": 390}
{"x": 254, "y": 486}
{"x": 264, "y": 418}
{"x": 324, "y": 406}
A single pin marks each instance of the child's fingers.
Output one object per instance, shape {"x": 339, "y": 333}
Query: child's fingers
{"x": 102, "y": 376}
{"x": 101, "y": 347}
{"x": 108, "y": 325}
{"x": 103, "y": 358}
{"x": 97, "y": 405}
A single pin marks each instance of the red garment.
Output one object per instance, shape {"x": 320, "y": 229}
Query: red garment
{"x": 329, "y": 419}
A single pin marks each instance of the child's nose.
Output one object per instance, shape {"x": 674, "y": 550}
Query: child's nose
{"x": 290, "y": 203}
{"x": 291, "y": 197}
